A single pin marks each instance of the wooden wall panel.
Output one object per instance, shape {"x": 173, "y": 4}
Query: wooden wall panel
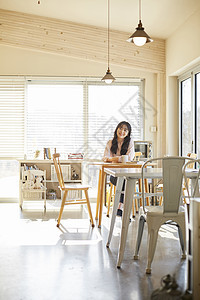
{"x": 79, "y": 41}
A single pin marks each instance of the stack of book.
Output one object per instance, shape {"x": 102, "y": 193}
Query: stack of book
{"x": 47, "y": 153}
{"x": 66, "y": 171}
{"x": 75, "y": 155}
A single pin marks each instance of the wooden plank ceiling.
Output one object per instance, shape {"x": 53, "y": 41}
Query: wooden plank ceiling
{"x": 79, "y": 41}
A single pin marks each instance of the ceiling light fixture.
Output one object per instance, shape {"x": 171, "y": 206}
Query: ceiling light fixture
{"x": 139, "y": 37}
{"x": 108, "y": 78}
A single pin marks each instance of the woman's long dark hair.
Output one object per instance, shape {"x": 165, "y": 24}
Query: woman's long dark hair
{"x": 126, "y": 142}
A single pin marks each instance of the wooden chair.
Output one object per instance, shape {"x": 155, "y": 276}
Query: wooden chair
{"x": 65, "y": 188}
{"x": 190, "y": 165}
{"x": 137, "y": 156}
{"x": 111, "y": 195}
{"x": 138, "y": 195}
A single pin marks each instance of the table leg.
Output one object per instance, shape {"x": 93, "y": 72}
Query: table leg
{"x": 98, "y": 195}
{"x": 119, "y": 186}
{"x": 101, "y": 197}
{"x": 129, "y": 192}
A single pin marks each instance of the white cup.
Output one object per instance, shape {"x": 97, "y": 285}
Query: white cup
{"x": 124, "y": 158}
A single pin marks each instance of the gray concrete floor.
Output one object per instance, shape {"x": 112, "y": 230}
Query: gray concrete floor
{"x": 40, "y": 261}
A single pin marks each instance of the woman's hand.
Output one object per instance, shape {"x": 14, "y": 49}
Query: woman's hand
{"x": 107, "y": 159}
{"x": 115, "y": 159}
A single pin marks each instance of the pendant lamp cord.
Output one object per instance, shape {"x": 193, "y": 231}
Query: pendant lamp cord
{"x": 108, "y": 31}
{"x": 139, "y": 10}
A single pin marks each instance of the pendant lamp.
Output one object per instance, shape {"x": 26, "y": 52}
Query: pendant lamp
{"x": 139, "y": 37}
{"x": 108, "y": 78}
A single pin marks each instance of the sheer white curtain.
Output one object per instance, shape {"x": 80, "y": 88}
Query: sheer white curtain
{"x": 109, "y": 105}
{"x": 54, "y": 118}
{"x": 12, "y": 95}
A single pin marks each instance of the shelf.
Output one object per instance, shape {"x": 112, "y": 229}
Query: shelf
{"x": 49, "y": 161}
{"x": 71, "y": 181}
{"x": 49, "y": 178}
{"x": 34, "y": 190}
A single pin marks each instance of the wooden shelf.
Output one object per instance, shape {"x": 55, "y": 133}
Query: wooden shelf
{"x": 51, "y": 182}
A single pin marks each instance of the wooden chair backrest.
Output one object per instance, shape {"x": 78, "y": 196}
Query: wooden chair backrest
{"x": 137, "y": 156}
{"x": 56, "y": 161}
{"x": 191, "y": 164}
{"x": 196, "y": 188}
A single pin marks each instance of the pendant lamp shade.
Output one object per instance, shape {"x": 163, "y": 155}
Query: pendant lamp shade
{"x": 139, "y": 37}
{"x": 108, "y": 78}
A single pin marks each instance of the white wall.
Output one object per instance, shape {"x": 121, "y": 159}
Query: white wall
{"x": 17, "y": 61}
{"x": 183, "y": 47}
{"x": 182, "y": 52}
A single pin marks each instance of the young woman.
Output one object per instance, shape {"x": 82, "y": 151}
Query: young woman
{"x": 121, "y": 144}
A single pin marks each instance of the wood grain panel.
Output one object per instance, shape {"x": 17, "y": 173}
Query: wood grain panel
{"x": 79, "y": 41}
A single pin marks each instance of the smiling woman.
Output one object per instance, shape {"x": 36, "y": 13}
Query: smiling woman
{"x": 120, "y": 145}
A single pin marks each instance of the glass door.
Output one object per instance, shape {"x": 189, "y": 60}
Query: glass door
{"x": 186, "y": 117}
{"x": 197, "y": 85}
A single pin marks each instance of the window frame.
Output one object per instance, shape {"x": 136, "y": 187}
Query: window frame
{"x": 189, "y": 74}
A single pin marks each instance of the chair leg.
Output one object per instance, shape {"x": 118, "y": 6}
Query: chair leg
{"x": 109, "y": 199}
{"x": 139, "y": 236}
{"x": 136, "y": 205}
{"x": 61, "y": 208}
{"x": 147, "y": 190}
{"x": 89, "y": 207}
{"x": 152, "y": 240}
{"x": 133, "y": 208}
{"x": 140, "y": 189}
{"x": 182, "y": 237}
{"x": 161, "y": 201}
{"x": 161, "y": 198}
{"x": 98, "y": 195}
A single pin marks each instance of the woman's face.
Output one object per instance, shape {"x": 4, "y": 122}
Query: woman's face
{"x": 122, "y": 132}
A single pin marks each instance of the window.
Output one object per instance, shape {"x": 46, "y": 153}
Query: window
{"x": 186, "y": 117}
{"x": 79, "y": 116}
{"x": 54, "y": 118}
{"x": 107, "y": 106}
{"x": 189, "y": 112}
{"x": 12, "y": 95}
{"x": 197, "y": 85}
